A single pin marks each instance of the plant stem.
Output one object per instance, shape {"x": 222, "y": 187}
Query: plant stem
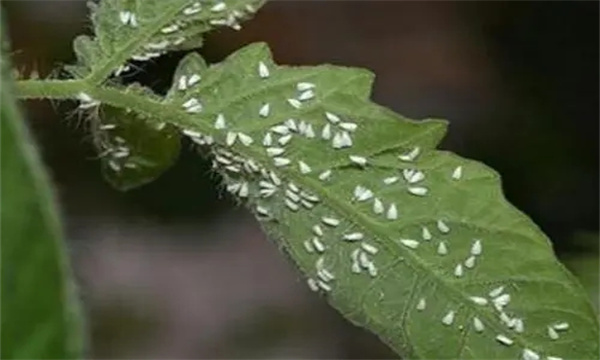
{"x": 120, "y": 98}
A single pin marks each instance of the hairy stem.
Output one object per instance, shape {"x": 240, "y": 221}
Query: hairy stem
{"x": 119, "y": 98}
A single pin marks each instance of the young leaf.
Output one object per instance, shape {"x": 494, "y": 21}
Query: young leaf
{"x": 139, "y": 30}
{"x": 134, "y": 150}
{"x": 40, "y": 313}
{"x": 415, "y": 244}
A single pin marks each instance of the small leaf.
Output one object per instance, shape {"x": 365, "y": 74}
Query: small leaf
{"x": 40, "y": 313}
{"x": 415, "y": 244}
{"x": 140, "y": 30}
{"x": 134, "y": 150}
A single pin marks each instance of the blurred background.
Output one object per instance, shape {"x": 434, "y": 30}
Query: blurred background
{"x": 170, "y": 270}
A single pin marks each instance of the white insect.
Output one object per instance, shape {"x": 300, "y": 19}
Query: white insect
{"x": 280, "y": 129}
{"x": 293, "y": 187}
{"x": 448, "y": 319}
{"x": 330, "y": 221}
{"x": 309, "y": 132}
{"x": 191, "y": 133}
{"x": 332, "y": 118}
{"x": 230, "y": 138}
{"x": 107, "y": 126}
{"x": 280, "y": 161}
{"x": 470, "y": 262}
{"x": 304, "y": 168}
{"x": 194, "y": 9}
{"x": 496, "y": 292}
{"x": 362, "y": 194}
{"x": 312, "y": 284}
{"x": 246, "y": 140}
{"x": 348, "y": 126}
{"x": 324, "y": 286}
{"x": 326, "y": 132}
{"x": 413, "y": 244}
{"x": 354, "y": 236}
{"x": 411, "y": 155}
{"x": 159, "y": 46}
{"x": 267, "y": 139}
{"x": 504, "y": 340}
{"x": 346, "y": 140}
{"x": 458, "y": 270}
{"x": 309, "y": 197}
{"x": 218, "y": 7}
{"x": 284, "y": 140}
{"x": 114, "y": 166}
{"x": 422, "y": 304}
{"x": 302, "y": 86}
{"x": 371, "y": 249}
{"x": 442, "y": 227}
{"x": 306, "y": 95}
{"x": 193, "y": 79}
{"x": 502, "y": 300}
{"x": 476, "y": 248}
{"x": 425, "y": 233}
{"x": 415, "y": 177}
{"x": 263, "y": 70}
{"x": 275, "y": 151}
{"x": 318, "y": 244}
{"x": 529, "y": 354}
{"x": 418, "y": 190}
{"x": 191, "y": 102}
{"x": 392, "y": 213}
{"x": 359, "y": 160}
{"x": 291, "y": 205}
{"x": 294, "y": 103}
{"x": 317, "y": 230}
{"x": 337, "y": 142}
{"x": 292, "y": 196}
{"x": 478, "y": 325}
{"x": 308, "y": 246}
{"x": 182, "y": 83}
{"x": 220, "y": 122}
{"x": 479, "y": 300}
{"x": 169, "y": 29}
{"x": 378, "y": 206}
{"x": 264, "y": 110}
{"x": 372, "y": 269}
{"x": 243, "y": 190}
{"x": 265, "y": 212}
{"x": 291, "y": 124}
{"x": 390, "y": 180}
{"x": 519, "y": 325}
{"x": 552, "y": 333}
{"x": 325, "y": 175}
{"x": 124, "y": 16}
{"x": 457, "y": 173}
{"x": 363, "y": 259}
{"x": 442, "y": 249}
{"x": 326, "y": 275}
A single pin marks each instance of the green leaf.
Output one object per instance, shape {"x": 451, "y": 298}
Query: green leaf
{"x": 417, "y": 245}
{"x": 134, "y": 149}
{"x": 140, "y": 30}
{"x": 40, "y": 313}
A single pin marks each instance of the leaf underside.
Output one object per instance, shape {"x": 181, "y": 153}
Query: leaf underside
{"x": 141, "y": 30}
{"x": 40, "y": 314}
{"x": 417, "y": 245}
{"x": 134, "y": 151}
